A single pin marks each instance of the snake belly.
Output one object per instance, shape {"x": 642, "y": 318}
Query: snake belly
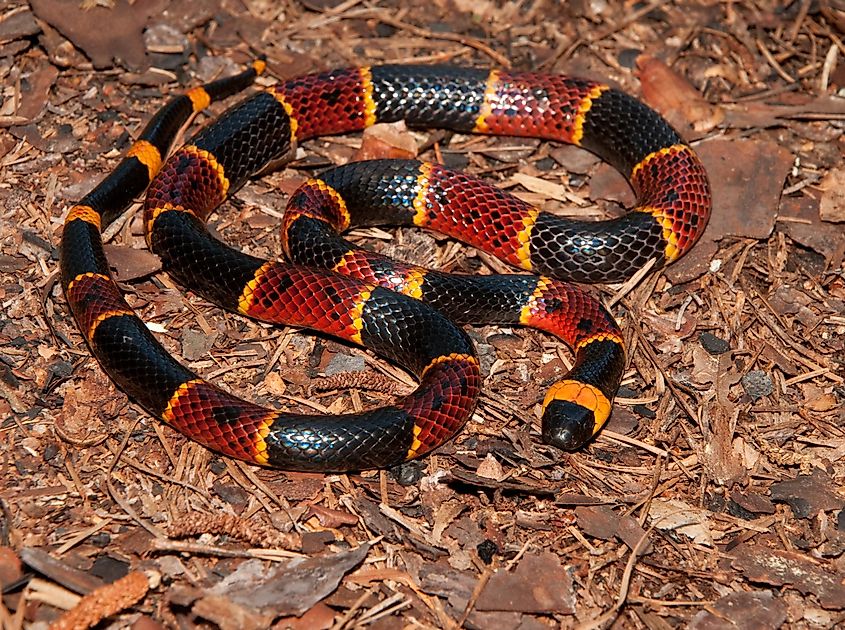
{"x": 377, "y": 303}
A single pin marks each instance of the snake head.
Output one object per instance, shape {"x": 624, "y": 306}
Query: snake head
{"x": 567, "y": 425}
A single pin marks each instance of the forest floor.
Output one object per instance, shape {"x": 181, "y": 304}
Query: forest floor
{"x": 714, "y": 496}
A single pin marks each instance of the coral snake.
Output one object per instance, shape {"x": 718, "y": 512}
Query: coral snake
{"x": 399, "y": 311}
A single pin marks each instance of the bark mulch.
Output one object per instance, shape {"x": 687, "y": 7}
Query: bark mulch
{"x": 715, "y": 496}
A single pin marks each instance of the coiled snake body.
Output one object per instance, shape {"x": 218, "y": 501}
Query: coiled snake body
{"x": 377, "y": 302}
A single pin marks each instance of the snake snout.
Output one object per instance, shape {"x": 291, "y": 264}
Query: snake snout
{"x": 567, "y": 425}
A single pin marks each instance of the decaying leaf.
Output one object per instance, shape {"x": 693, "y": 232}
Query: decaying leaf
{"x": 539, "y": 584}
{"x": 290, "y": 588}
{"x": 672, "y": 95}
{"x": 744, "y": 610}
{"x": 800, "y": 571}
{"x": 679, "y": 516}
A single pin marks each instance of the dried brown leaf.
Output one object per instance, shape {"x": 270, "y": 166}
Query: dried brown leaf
{"x": 539, "y": 584}
{"x": 387, "y": 140}
{"x": 290, "y": 588}
{"x": 680, "y": 516}
{"x": 832, "y": 204}
{"x": 121, "y": 41}
{"x": 754, "y": 610}
{"x": 674, "y": 97}
{"x": 800, "y": 571}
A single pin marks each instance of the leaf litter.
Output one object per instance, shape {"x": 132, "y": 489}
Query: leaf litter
{"x": 715, "y": 496}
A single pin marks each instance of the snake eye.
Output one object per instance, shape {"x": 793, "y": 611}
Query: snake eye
{"x": 567, "y": 425}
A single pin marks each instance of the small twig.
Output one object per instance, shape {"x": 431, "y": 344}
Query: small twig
{"x": 792, "y": 33}
{"x": 623, "y": 587}
{"x": 87, "y": 442}
{"x": 612, "y": 436}
{"x": 275, "y": 555}
{"x": 155, "y": 531}
{"x": 828, "y": 67}
{"x": 512, "y": 562}
{"x": 331, "y": 14}
{"x": 343, "y": 621}
{"x": 124, "y": 505}
{"x": 632, "y": 282}
{"x": 472, "y": 42}
{"x": 395, "y": 602}
{"x": 80, "y": 536}
{"x": 476, "y": 593}
{"x": 811, "y": 375}
{"x": 807, "y": 181}
{"x": 118, "y": 224}
{"x": 131, "y": 461}
{"x": 249, "y": 472}
{"x": 50, "y": 593}
{"x": 629, "y": 19}
{"x": 670, "y": 385}
{"x": 773, "y": 62}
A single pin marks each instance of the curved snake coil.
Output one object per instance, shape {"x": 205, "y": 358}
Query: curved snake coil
{"x": 400, "y": 311}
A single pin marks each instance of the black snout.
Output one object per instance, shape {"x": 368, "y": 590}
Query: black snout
{"x": 567, "y": 425}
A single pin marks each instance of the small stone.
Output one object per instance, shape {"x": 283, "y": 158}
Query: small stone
{"x": 384, "y": 30}
{"x": 171, "y": 566}
{"x": 315, "y": 542}
{"x": 60, "y": 369}
{"x": 344, "y": 363}
{"x": 628, "y": 57}
{"x": 212, "y": 66}
{"x": 455, "y": 161}
{"x": 109, "y": 569}
{"x": 408, "y": 474}
{"x": 163, "y": 38}
{"x": 645, "y": 412}
{"x": 196, "y": 345}
{"x": 100, "y": 539}
{"x": 713, "y": 344}
{"x": 757, "y": 384}
{"x": 231, "y": 494}
{"x": 486, "y": 550}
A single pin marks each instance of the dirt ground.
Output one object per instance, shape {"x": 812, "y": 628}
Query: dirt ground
{"x": 714, "y": 498}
